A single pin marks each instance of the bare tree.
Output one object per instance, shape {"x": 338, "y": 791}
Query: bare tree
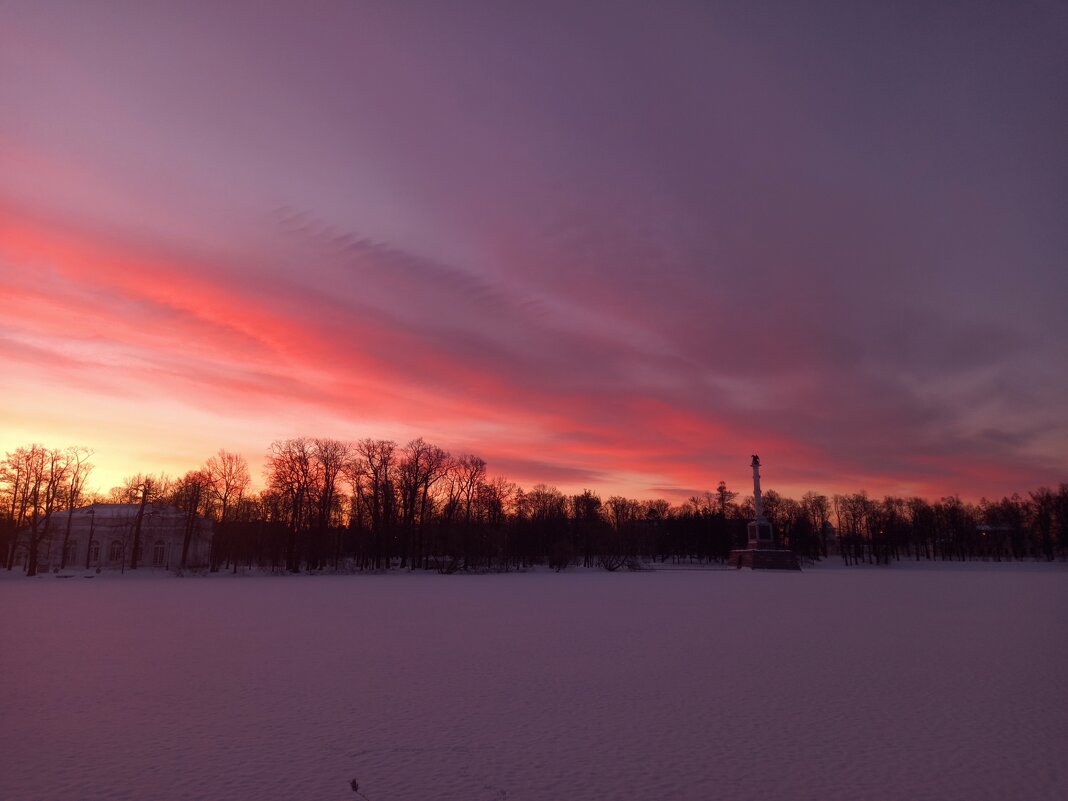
{"x": 192, "y": 494}
{"x": 372, "y": 476}
{"x": 132, "y": 488}
{"x": 1060, "y": 518}
{"x": 622, "y": 514}
{"x": 230, "y": 480}
{"x": 291, "y": 471}
{"x": 45, "y": 477}
{"x": 421, "y": 468}
{"x": 334, "y": 457}
{"x": 469, "y": 472}
{"x": 15, "y": 474}
{"x": 545, "y": 508}
{"x": 817, "y": 509}
{"x": 921, "y": 520}
{"x": 79, "y": 468}
{"x": 725, "y": 499}
{"x": 1043, "y": 504}
{"x": 142, "y": 489}
{"x": 588, "y": 522}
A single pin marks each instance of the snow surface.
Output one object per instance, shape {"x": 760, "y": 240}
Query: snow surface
{"x": 908, "y": 682}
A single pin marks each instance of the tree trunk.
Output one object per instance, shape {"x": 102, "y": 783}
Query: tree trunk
{"x": 190, "y": 524}
{"x": 31, "y": 559}
{"x": 66, "y": 540}
{"x": 89, "y": 545}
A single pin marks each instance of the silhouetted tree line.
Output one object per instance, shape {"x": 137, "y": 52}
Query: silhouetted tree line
{"x": 372, "y": 505}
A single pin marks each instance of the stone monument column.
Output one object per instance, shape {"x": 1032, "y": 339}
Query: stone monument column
{"x": 760, "y": 533}
{"x": 761, "y": 553}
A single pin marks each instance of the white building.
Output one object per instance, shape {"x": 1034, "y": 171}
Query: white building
{"x": 102, "y": 535}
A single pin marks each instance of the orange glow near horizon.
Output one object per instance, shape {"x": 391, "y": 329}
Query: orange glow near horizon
{"x": 156, "y": 363}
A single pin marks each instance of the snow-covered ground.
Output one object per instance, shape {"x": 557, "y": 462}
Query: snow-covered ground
{"x": 908, "y": 682}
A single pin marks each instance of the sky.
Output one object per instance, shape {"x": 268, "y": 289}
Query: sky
{"x": 608, "y": 245}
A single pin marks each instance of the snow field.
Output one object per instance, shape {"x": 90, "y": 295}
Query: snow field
{"x": 889, "y": 683}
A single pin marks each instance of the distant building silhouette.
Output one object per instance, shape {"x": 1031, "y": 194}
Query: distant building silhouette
{"x": 102, "y": 536}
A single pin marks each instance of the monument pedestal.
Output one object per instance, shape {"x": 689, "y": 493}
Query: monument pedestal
{"x": 764, "y": 559}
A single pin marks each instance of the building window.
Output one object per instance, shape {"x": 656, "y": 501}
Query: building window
{"x": 115, "y": 551}
{"x": 72, "y": 549}
{"x": 94, "y": 552}
{"x": 158, "y": 552}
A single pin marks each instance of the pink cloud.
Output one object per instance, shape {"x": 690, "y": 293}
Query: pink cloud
{"x": 683, "y": 238}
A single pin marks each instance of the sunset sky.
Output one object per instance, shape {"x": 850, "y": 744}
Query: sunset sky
{"x": 611, "y": 245}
